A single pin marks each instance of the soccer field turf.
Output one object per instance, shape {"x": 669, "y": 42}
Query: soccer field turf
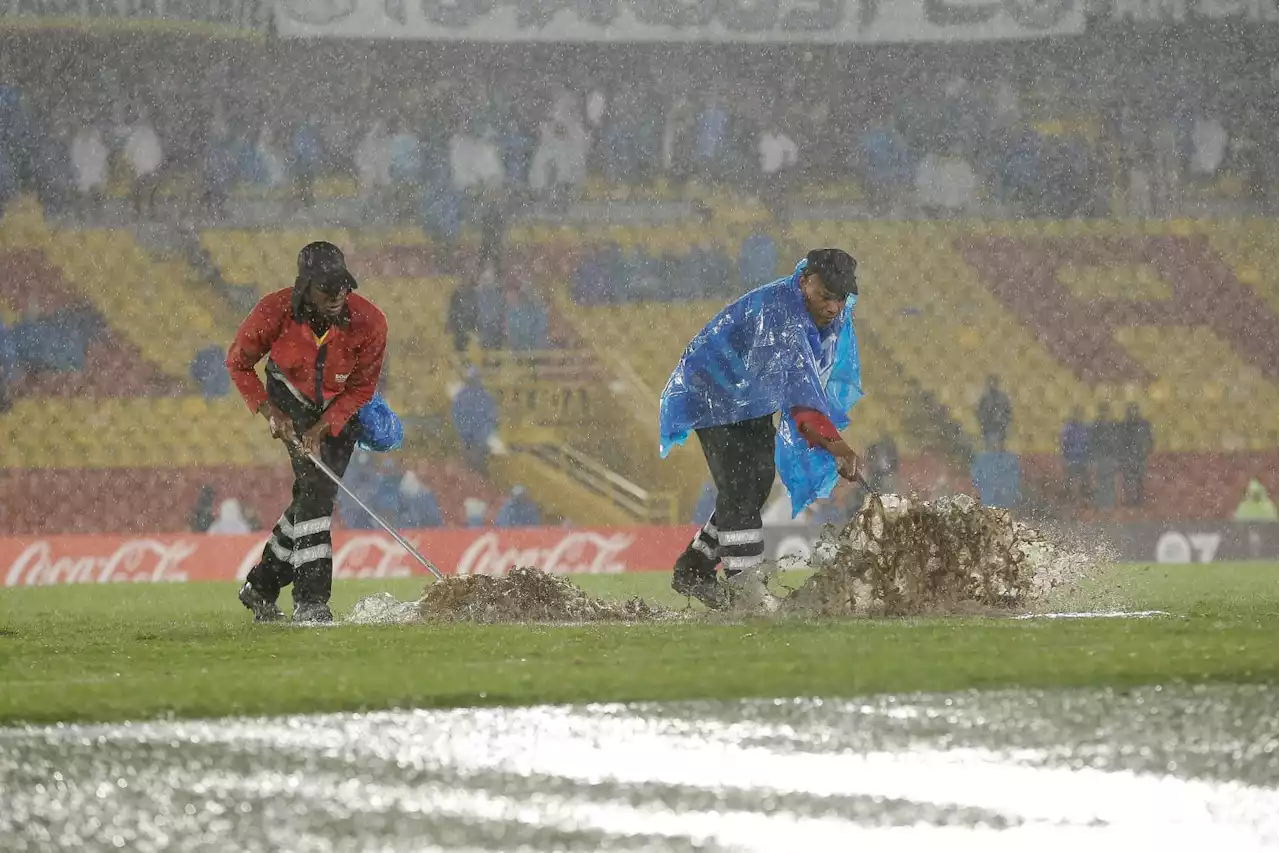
{"x": 136, "y": 651}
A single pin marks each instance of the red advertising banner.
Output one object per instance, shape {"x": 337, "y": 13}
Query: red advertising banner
{"x": 47, "y": 560}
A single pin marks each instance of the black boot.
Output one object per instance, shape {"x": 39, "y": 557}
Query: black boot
{"x": 695, "y": 575}
{"x": 264, "y": 609}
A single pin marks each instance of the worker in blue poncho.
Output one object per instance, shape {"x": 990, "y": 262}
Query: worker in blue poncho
{"x": 788, "y": 349}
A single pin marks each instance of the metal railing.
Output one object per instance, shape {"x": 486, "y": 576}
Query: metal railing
{"x": 640, "y": 503}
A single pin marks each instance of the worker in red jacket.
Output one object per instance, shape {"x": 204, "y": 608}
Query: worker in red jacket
{"x": 324, "y": 346}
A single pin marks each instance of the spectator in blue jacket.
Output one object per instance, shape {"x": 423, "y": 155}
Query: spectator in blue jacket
{"x": 1074, "y": 444}
{"x": 418, "y": 505}
{"x": 518, "y": 511}
{"x": 475, "y": 417}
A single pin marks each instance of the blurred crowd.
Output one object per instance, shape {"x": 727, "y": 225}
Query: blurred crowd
{"x": 462, "y": 135}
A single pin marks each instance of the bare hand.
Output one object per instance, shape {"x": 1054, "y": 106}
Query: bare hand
{"x": 281, "y": 424}
{"x": 314, "y": 437}
{"x": 848, "y": 463}
{"x": 849, "y": 467}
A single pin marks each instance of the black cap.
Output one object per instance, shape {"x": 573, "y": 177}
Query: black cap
{"x": 323, "y": 264}
{"x": 837, "y": 268}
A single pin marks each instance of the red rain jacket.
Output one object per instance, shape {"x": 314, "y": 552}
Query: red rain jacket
{"x": 339, "y": 371}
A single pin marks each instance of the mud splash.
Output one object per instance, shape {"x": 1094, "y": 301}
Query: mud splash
{"x": 897, "y": 557}
{"x": 903, "y": 557}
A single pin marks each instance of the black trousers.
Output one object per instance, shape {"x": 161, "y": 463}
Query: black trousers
{"x": 740, "y": 457}
{"x": 300, "y": 551}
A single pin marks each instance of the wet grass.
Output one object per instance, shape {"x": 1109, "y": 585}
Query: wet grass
{"x": 140, "y": 651}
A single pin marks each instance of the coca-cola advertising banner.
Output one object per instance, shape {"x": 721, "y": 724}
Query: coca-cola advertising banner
{"x": 805, "y": 21}
{"x": 45, "y": 560}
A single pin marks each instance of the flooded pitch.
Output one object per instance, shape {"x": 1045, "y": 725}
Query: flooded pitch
{"x": 1148, "y": 769}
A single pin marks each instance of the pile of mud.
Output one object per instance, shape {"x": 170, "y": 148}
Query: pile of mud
{"x": 898, "y": 557}
{"x": 526, "y": 595}
{"x": 903, "y": 557}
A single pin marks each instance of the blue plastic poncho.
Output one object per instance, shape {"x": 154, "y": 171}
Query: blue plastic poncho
{"x": 380, "y": 428}
{"x": 764, "y": 354}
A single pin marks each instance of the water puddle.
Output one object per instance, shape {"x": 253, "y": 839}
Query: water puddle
{"x": 1147, "y": 769}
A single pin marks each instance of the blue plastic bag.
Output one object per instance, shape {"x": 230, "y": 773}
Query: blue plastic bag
{"x": 380, "y": 428}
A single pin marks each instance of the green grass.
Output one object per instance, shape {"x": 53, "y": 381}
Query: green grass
{"x": 142, "y": 651}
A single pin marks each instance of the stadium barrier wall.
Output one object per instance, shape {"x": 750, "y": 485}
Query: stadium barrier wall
{"x": 48, "y": 560}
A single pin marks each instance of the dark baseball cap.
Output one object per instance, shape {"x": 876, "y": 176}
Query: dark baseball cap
{"x": 323, "y": 264}
{"x": 837, "y": 268}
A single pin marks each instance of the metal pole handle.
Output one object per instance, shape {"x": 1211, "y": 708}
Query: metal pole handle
{"x": 404, "y": 543}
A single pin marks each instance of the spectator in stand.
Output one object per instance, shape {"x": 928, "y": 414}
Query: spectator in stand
{"x": 1104, "y": 447}
{"x": 308, "y": 159}
{"x": 516, "y": 146}
{"x": 995, "y": 414}
{"x": 145, "y": 155}
{"x": 384, "y": 497}
{"x": 884, "y": 157}
{"x": 491, "y": 310}
{"x": 219, "y": 172}
{"x": 252, "y": 519}
{"x": 474, "y": 511}
{"x": 705, "y": 272}
{"x": 475, "y": 418}
{"x": 945, "y": 184}
{"x": 248, "y": 168}
{"x": 711, "y": 137}
{"x": 491, "y": 212}
{"x": 200, "y": 519}
{"x": 463, "y": 319}
{"x": 373, "y": 160}
{"x": 518, "y": 511}
{"x": 8, "y": 362}
{"x": 997, "y": 476}
{"x": 209, "y": 372}
{"x": 757, "y": 260}
{"x": 526, "y": 321}
{"x": 8, "y": 179}
{"x": 476, "y": 161}
{"x": 882, "y": 464}
{"x": 1074, "y": 447}
{"x": 1256, "y": 504}
{"x": 270, "y": 162}
{"x": 779, "y": 160}
{"x": 560, "y": 161}
{"x": 230, "y": 520}
{"x": 419, "y": 508}
{"x": 89, "y": 162}
{"x": 362, "y": 478}
{"x": 1135, "y": 445}
{"x": 404, "y": 168}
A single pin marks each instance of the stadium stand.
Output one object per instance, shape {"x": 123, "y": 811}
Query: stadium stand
{"x": 946, "y": 305}
{"x": 951, "y": 304}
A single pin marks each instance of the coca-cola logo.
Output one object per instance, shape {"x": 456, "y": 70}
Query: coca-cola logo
{"x": 581, "y": 552}
{"x": 371, "y": 557}
{"x": 134, "y": 561}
